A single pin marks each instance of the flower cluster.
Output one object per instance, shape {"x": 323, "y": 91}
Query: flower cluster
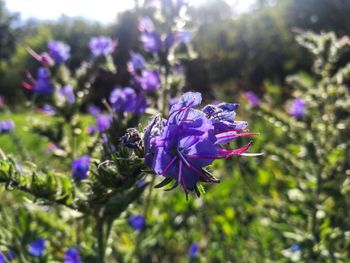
{"x": 181, "y": 146}
{"x": 6, "y": 126}
{"x": 102, "y": 46}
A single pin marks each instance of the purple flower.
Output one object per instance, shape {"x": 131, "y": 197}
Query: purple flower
{"x": 47, "y": 110}
{"x": 137, "y": 222}
{"x": 150, "y": 80}
{"x": 193, "y": 250}
{"x": 42, "y": 84}
{"x": 6, "y": 126}
{"x": 11, "y": 255}
{"x": 297, "y": 109}
{"x": 72, "y": 256}
{"x": 59, "y": 51}
{"x": 66, "y": 93}
{"x": 37, "y": 248}
{"x": 2, "y": 258}
{"x": 169, "y": 40}
{"x": 101, "y": 46}
{"x": 103, "y": 122}
{"x": 151, "y": 41}
{"x": 91, "y": 129}
{"x": 127, "y": 100}
{"x": 190, "y": 139}
{"x": 252, "y": 98}
{"x": 146, "y": 24}
{"x": 94, "y": 110}
{"x": 136, "y": 62}
{"x": 80, "y": 167}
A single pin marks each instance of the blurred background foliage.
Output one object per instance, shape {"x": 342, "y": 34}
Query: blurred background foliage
{"x": 262, "y": 206}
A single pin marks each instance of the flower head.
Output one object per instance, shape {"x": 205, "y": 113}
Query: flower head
{"x": 42, "y": 84}
{"x": 136, "y": 62}
{"x": 151, "y": 41}
{"x": 181, "y": 146}
{"x": 37, "y": 248}
{"x": 80, "y": 167}
{"x": 6, "y": 126}
{"x": 94, "y": 110}
{"x": 193, "y": 250}
{"x": 66, "y": 94}
{"x": 127, "y": 100}
{"x": 295, "y": 248}
{"x": 146, "y": 24}
{"x": 72, "y": 256}
{"x": 59, "y": 51}
{"x": 298, "y": 108}
{"x": 103, "y": 122}
{"x": 252, "y": 98}
{"x": 101, "y": 46}
{"x": 150, "y": 80}
{"x": 2, "y": 258}
{"x": 137, "y": 222}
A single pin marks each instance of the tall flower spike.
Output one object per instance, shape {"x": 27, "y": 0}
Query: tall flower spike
{"x": 180, "y": 147}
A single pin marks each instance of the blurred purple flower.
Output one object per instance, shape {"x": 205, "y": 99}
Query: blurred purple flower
{"x": 47, "y": 110}
{"x": 102, "y": 46}
{"x": 146, "y": 24}
{"x": 193, "y": 250}
{"x": 11, "y": 255}
{"x": 2, "y": 258}
{"x": 295, "y": 248}
{"x": 37, "y": 248}
{"x": 80, "y": 167}
{"x": 59, "y": 51}
{"x": 137, "y": 221}
{"x": 190, "y": 139}
{"x": 252, "y": 98}
{"x": 127, "y": 100}
{"x": 42, "y": 84}
{"x": 183, "y": 37}
{"x": 94, "y": 110}
{"x": 91, "y": 129}
{"x": 136, "y": 62}
{"x": 6, "y": 126}
{"x": 72, "y": 256}
{"x": 150, "y": 80}
{"x": 297, "y": 108}
{"x": 103, "y": 122}
{"x": 151, "y": 41}
{"x": 169, "y": 40}
{"x": 67, "y": 94}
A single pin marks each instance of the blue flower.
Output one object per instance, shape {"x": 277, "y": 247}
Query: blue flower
{"x": 103, "y": 122}
{"x": 80, "y": 167}
{"x": 136, "y": 62}
{"x": 37, "y": 248}
{"x": 42, "y": 84}
{"x": 2, "y": 258}
{"x": 94, "y": 110}
{"x": 101, "y": 46}
{"x": 193, "y": 250}
{"x": 127, "y": 100}
{"x": 6, "y": 126}
{"x": 137, "y": 222}
{"x": 146, "y": 24}
{"x": 66, "y": 94}
{"x": 151, "y": 41}
{"x": 298, "y": 108}
{"x": 183, "y": 37}
{"x": 190, "y": 139}
{"x": 150, "y": 80}
{"x": 11, "y": 255}
{"x": 72, "y": 256}
{"x": 295, "y": 248}
{"x": 59, "y": 51}
{"x": 47, "y": 110}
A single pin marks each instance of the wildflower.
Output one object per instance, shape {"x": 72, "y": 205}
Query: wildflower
{"x": 91, "y": 129}
{"x": 297, "y": 109}
{"x": 42, "y": 84}
{"x": 94, "y": 110}
{"x": 103, "y": 122}
{"x": 2, "y": 258}
{"x": 66, "y": 94}
{"x": 137, "y": 222}
{"x": 47, "y": 110}
{"x": 6, "y": 126}
{"x": 189, "y": 140}
{"x": 193, "y": 250}
{"x": 59, "y": 51}
{"x": 295, "y": 248}
{"x": 150, "y": 80}
{"x": 101, "y": 46}
{"x": 127, "y": 100}
{"x": 36, "y": 248}
{"x": 151, "y": 42}
{"x": 72, "y": 256}
{"x": 252, "y": 98}
{"x": 136, "y": 62}
{"x": 11, "y": 255}
{"x": 80, "y": 167}
{"x": 146, "y": 24}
